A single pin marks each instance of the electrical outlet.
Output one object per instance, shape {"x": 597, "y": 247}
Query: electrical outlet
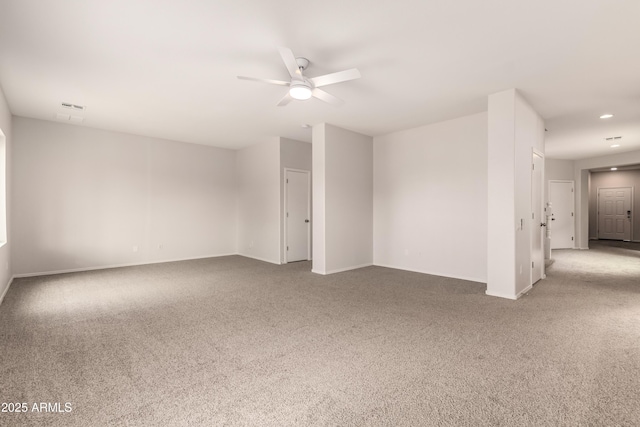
{"x": 135, "y": 248}
{"x": 251, "y": 244}
{"x": 160, "y": 246}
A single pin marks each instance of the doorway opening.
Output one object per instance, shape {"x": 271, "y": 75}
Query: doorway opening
{"x": 561, "y": 220}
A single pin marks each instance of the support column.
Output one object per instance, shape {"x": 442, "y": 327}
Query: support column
{"x": 515, "y": 130}
{"x": 342, "y": 199}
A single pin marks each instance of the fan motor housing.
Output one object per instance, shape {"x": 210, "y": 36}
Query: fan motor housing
{"x": 303, "y": 63}
{"x": 300, "y": 90}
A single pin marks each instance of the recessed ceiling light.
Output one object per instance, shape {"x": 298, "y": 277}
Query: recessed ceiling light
{"x": 614, "y": 169}
{"x": 606, "y": 116}
{"x": 615, "y": 146}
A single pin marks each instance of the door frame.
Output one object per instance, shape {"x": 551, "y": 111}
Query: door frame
{"x": 536, "y": 225}
{"x": 573, "y": 203}
{"x": 598, "y": 212}
{"x": 284, "y": 210}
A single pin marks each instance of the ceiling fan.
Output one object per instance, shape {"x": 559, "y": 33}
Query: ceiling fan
{"x": 301, "y": 87}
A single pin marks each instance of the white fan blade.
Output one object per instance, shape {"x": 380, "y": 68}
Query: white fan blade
{"x": 340, "y": 76}
{"x": 326, "y": 97}
{"x": 285, "y": 100}
{"x": 273, "y": 82}
{"x": 290, "y": 62}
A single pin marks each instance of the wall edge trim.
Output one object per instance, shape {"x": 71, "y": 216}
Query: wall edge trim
{"x": 6, "y": 289}
{"x": 431, "y": 273}
{"x": 353, "y": 267}
{"x": 105, "y": 267}
{"x": 524, "y": 291}
{"x": 259, "y": 258}
{"x": 500, "y": 295}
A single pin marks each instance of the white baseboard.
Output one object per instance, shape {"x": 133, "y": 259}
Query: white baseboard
{"x": 524, "y": 291}
{"x": 270, "y": 261}
{"x": 104, "y": 267}
{"x": 353, "y": 267}
{"x": 432, "y": 273}
{"x": 499, "y": 295}
{"x": 509, "y": 296}
{"x": 6, "y": 289}
{"x": 340, "y": 270}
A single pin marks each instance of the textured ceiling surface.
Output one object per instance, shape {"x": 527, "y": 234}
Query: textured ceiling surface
{"x": 168, "y": 69}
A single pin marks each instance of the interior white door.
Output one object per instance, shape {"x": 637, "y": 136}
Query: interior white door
{"x": 561, "y": 225}
{"x": 297, "y": 223}
{"x": 614, "y": 213}
{"x": 537, "y": 217}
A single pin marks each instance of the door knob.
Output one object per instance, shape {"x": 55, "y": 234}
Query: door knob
{"x": 306, "y": 220}
{"x": 543, "y": 224}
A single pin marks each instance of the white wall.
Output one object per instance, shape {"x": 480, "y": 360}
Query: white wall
{"x": 343, "y": 167}
{"x": 515, "y": 130}
{"x": 5, "y": 250}
{"x": 430, "y": 199}
{"x": 630, "y": 178}
{"x": 293, "y": 155}
{"x": 84, "y": 198}
{"x": 501, "y": 226}
{"x": 318, "y": 191}
{"x": 529, "y": 135}
{"x": 259, "y": 206}
{"x": 558, "y": 169}
{"x": 581, "y": 176}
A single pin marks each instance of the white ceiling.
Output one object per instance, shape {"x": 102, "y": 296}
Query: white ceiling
{"x": 168, "y": 69}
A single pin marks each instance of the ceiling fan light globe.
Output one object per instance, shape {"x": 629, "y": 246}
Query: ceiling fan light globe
{"x": 300, "y": 92}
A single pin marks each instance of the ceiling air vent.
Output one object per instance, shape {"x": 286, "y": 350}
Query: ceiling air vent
{"x": 73, "y": 106}
{"x": 613, "y": 138}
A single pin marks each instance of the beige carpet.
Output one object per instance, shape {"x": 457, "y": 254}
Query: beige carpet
{"x": 234, "y": 341}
